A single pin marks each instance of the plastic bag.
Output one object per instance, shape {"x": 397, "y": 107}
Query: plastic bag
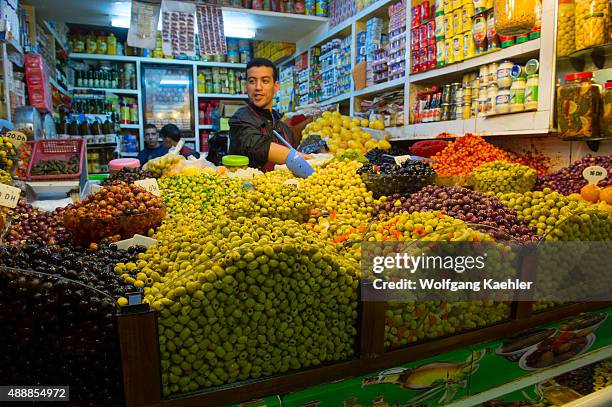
{"x": 159, "y": 166}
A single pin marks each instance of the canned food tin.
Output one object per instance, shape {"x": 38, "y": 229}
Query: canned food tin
{"x": 448, "y": 26}
{"x": 446, "y": 94}
{"x": 474, "y": 108}
{"x": 457, "y": 21}
{"x": 480, "y": 5}
{"x": 448, "y": 49}
{"x": 440, "y": 57}
{"x": 455, "y": 86}
{"x": 459, "y": 95}
{"x": 467, "y": 92}
{"x": 493, "y": 72}
{"x": 439, "y": 26}
{"x": 455, "y": 4}
{"x": 458, "y": 48}
{"x": 482, "y": 107}
{"x": 445, "y": 114}
{"x": 466, "y": 110}
{"x": 448, "y": 6}
{"x": 431, "y": 33}
{"x": 453, "y": 112}
{"x": 468, "y": 45}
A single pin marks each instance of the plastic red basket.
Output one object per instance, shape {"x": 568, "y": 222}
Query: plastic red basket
{"x": 56, "y": 150}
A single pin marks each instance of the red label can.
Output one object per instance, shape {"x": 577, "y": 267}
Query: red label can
{"x": 415, "y": 38}
{"x": 431, "y": 57}
{"x": 425, "y": 11}
{"x": 416, "y": 16}
{"x": 415, "y": 62}
{"x": 431, "y": 32}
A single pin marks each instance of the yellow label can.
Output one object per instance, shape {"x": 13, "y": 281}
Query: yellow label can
{"x": 469, "y": 50}
{"x": 458, "y": 48}
{"x": 448, "y": 51}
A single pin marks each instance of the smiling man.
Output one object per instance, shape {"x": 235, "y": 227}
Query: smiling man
{"x": 251, "y": 126}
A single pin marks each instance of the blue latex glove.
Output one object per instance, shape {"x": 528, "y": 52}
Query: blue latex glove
{"x": 298, "y": 165}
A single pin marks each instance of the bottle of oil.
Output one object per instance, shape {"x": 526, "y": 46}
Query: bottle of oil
{"x": 91, "y": 44}
{"x": 101, "y": 43}
{"x": 111, "y": 44}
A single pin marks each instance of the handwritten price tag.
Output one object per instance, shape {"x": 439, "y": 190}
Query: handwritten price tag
{"x": 400, "y": 159}
{"x": 150, "y": 185}
{"x": 594, "y": 174}
{"x": 9, "y": 196}
{"x": 95, "y": 188}
{"x": 17, "y": 138}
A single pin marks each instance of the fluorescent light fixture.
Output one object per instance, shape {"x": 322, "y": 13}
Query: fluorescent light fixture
{"x": 174, "y": 82}
{"x": 122, "y": 22}
{"x": 235, "y": 31}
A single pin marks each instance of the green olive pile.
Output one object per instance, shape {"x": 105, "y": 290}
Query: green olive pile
{"x": 199, "y": 196}
{"x": 273, "y": 199}
{"x": 5, "y": 177}
{"x": 7, "y": 154}
{"x": 245, "y": 298}
{"x": 602, "y": 376}
{"x": 560, "y": 217}
{"x": 502, "y": 176}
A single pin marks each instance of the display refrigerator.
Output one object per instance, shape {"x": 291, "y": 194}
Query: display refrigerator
{"x": 168, "y": 97}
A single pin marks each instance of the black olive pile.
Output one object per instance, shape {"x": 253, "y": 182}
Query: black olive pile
{"x": 375, "y": 155}
{"x": 390, "y": 178}
{"x": 57, "y": 324}
{"x": 94, "y": 268}
{"x": 128, "y": 175}
{"x": 580, "y": 379}
{"x": 56, "y": 167}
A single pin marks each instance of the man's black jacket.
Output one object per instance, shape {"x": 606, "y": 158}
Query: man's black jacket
{"x": 251, "y": 133}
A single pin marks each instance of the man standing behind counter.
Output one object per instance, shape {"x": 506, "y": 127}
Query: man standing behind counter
{"x": 251, "y": 126}
{"x": 153, "y": 148}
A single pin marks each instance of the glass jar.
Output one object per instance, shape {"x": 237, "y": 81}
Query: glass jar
{"x": 531, "y": 92}
{"x": 479, "y": 31}
{"x": 595, "y": 29}
{"x": 580, "y": 12}
{"x": 491, "y": 98}
{"x": 517, "y": 94}
{"x": 235, "y": 162}
{"x": 606, "y": 116}
{"x": 504, "y": 80}
{"x": 578, "y": 106}
{"x": 502, "y": 101}
{"x": 513, "y": 17}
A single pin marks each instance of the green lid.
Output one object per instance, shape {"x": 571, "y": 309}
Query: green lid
{"x": 439, "y": 13}
{"x": 235, "y": 160}
{"x": 506, "y": 44}
{"x": 97, "y": 177}
{"x": 532, "y": 66}
{"x": 534, "y": 35}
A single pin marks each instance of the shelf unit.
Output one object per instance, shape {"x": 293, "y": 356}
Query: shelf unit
{"x": 129, "y": 126}
{"x": 537, "y": 123}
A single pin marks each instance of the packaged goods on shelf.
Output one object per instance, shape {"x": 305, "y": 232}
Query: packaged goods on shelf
{"x": 118, "y": 76}
{"x": 39, "y": 90}
{"x": 228, "y": 81}
{"x": 286, "y": 89}
{"x": 272, "y": 50}
{"x": 397, "y": 41}
{"x": 387, "y": 107}
{"x": 315, "y": 79}
{"x": 361, "y": 46}
{"x": 376, "y": 60}
{"x": 339, "y": 10}
{"x": 497, "y": 88}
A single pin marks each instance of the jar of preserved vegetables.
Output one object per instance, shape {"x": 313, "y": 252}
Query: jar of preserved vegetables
{"x": 566, "y": 43}
{"x": 514, "y": 17}
{"x": 579, "y": 106}
{"x": 606, "y": 116}
{"x": 595, "y": 29}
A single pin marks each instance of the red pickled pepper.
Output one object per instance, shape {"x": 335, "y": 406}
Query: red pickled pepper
{"x": 466, "y": 154}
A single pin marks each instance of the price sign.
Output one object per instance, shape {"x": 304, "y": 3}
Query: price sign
{"x": 17, "y": 138}
{"x": 9, "y": 196}
{"x": 95, "y": 188}
{"x": 594, "y": 174}
{"x": 292, "y": 182}
{"x": 150, "y": 185}
{"x": 400, "y": 159}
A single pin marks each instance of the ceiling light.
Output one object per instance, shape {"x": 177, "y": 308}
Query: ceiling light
{"x": 174, "y": 82}
{"x": 122, "y": 22}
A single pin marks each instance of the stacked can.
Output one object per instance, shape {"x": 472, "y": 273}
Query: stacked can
{"x": 423, "y": 38}
{"x": 397, "y": 40}
{"x": 454, "y": 39}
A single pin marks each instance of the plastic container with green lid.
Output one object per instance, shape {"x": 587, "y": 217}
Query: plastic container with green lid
{"x": 235, "y": 162}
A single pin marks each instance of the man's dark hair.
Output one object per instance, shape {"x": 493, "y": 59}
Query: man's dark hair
{"x": 263, "y": 62}
{"x": 171, "y": 131}
{"x": 150, "y": 126}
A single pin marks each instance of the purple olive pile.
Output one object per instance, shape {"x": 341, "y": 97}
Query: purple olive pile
{"x": 569, "y": 180}
{"x": 464, "y": 204}
{"x": 128, "y": 175}
{"x": 28, "y": 222}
